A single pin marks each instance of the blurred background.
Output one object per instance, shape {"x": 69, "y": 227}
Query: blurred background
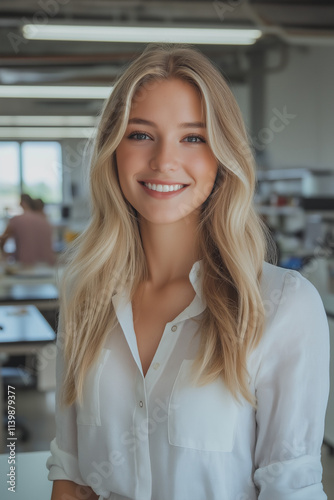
{"x": 58, "y": 62}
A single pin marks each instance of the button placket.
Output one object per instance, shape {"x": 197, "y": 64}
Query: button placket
{"x": 159, "y": 360}
{"x": 141, "y": 449}
{"x": 140, "y": 391}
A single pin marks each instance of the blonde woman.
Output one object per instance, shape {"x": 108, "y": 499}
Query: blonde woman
{"x": 188, "y": 367}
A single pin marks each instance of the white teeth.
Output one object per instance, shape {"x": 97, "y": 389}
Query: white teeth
{"x": 163, "y": 188}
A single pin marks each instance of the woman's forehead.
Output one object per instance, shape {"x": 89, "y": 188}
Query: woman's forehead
{"x": 172, "y": 93}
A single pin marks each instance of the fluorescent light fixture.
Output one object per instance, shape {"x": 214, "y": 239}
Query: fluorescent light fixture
{"x": 54, "y": 92}
{"x": 46, "y": 132}
{"x": 40, "y": 121}
{"x": 210, "y": 36}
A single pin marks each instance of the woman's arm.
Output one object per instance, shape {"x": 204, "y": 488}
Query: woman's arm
{"x": 292, "y": 392}
{"x": 63, "y": 463}
{"x": 72, "y": 491}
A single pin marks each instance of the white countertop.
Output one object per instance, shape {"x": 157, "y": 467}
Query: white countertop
{"x": 30, "y": 476}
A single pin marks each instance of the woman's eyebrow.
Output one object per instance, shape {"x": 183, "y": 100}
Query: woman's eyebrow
{"x": 141, "y": 121}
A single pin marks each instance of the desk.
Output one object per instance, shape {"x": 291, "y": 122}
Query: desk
{"x": 23, "y": 331}
{"x": 31, "y": 477}
{"x": 43, "y": 295}
{"x": 36, "y": 286}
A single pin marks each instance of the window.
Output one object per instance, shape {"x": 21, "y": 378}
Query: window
{"x": 32, "y": 167}
{"x": 41, "y": 175}
{"x": 9, "y": 176}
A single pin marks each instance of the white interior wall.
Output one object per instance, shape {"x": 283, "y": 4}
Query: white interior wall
{"x": 305, "y": 89}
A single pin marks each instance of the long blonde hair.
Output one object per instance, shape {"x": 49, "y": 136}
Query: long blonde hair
{"x": 109, "y": 253}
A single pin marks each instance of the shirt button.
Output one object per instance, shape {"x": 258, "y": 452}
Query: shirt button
{"x": 174, "y": 328}
{"x": 156, "y": 366}
{"x": 141, "y": 404}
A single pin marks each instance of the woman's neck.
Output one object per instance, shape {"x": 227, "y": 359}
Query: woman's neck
{"x": 170, "y": 249}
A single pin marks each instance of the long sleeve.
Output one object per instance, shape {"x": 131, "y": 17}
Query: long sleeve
{"x": 63, "y": 462}
{"x": 292, "y": 387}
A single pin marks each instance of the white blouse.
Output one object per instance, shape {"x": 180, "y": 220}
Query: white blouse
{"x": 159, "y": 437}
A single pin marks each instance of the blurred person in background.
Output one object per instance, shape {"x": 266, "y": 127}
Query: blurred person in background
{"x": 38, "y": 206}
{"x": 32, "y": 234}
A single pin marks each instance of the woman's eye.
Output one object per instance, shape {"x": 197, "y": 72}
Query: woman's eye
{"x": 194, "y": 138}
{"x": 139, "y": 136}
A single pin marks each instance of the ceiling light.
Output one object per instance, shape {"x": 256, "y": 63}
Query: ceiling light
{"x": 210, "y": 36}
{"x": 46, "y": 132}
{"x": 54, "y": 92}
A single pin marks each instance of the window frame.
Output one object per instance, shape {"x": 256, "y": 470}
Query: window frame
{"x": 21, "y": 191}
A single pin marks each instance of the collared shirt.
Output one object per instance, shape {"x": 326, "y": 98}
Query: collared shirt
{"x": 160, "y": 437}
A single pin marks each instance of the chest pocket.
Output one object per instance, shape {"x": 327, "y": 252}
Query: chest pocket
{"x": 89, "y": 412}
{"x": 201, "y": 417}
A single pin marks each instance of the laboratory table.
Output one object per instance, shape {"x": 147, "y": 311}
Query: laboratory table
{"x": 42, "y": 295}
{"x": 31, "y": 476}
{"x": 23, "y": 330}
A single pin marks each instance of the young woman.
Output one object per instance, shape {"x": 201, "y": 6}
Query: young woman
{"x": 188, "y": 367}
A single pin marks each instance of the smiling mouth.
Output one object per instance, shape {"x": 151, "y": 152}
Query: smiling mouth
{"x": 163, "y": 188}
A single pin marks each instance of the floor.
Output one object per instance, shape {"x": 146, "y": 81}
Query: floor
{"x": 37, "y": 409}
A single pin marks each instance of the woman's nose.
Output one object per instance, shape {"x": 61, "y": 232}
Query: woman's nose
{"x": 164, "y": 158}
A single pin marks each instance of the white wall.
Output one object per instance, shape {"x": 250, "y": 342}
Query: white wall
{"x": 305, "y": 88}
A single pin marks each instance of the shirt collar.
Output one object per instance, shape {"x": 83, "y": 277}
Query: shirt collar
{"x": 196, "y": 278}
{"x": 123, "y": 309}
{"x": 120, "y": 299}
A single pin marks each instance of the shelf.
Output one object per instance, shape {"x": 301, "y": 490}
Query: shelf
{"x": 289, "y": 174}
{"x": 282, "y": 210}
{"x": 281, "y": 174}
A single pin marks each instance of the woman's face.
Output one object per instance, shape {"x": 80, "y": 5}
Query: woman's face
{"x": 165, "y": 166}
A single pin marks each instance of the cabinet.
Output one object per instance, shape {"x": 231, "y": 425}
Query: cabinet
{"x": 298, "y": 205}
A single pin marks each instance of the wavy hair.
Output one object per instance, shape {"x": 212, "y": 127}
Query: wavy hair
{"x": 232, "y": 239}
